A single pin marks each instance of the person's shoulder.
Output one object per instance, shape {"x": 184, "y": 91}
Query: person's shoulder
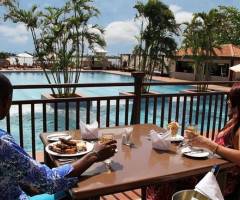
{"x": 5, "y": 136}
{"x": 2, "y": 133}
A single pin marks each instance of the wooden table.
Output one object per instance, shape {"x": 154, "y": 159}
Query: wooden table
{"x": 135, "y": 167}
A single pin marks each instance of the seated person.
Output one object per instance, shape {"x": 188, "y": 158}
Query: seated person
{"x": 19, "y": 173}
{"x": 226, "y": 144}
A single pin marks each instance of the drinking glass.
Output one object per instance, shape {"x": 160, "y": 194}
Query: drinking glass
{"x": 185, "y": 143}
{"x": 193, "y": 128}
{"x": 105, "y": 138}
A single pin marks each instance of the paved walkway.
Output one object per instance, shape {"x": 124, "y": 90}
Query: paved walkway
{"x": 167, "y": 79}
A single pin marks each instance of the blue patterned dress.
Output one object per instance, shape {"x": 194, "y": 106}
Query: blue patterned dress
{"x": 18, "y": 170}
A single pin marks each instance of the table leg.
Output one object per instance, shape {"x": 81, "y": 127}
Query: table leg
{"x": 47, "y": 160}
{"x": 144, "y": 193}
{"x": 222, "y": 179}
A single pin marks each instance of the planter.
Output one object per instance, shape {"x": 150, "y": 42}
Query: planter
{"x": 143, "y": 98}
{"x": 132, "y": 93}
{"x": 195, "y": 91}
{"x": 63, "y": 105}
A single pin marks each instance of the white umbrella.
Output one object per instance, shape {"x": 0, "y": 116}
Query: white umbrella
{"x": 235, "y": 68}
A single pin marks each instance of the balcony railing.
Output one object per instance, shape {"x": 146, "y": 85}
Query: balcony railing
{"x": 29, "y": 118}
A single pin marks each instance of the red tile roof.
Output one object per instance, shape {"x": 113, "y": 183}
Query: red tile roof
{"x": 226, "y": 50}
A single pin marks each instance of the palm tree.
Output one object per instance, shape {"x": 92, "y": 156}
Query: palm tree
{"x": 156, "y": 39}
{"x": 64, "y": 34}
{"x": 200, "y": 36}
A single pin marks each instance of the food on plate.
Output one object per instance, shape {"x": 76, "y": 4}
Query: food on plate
{"x": 68, "y": 142}
{"x": 173, "y": 127}
{"x": 68, "y": 146}
{"x": 81, "y": 146}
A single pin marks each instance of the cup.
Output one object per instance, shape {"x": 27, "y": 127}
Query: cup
{"x": 105, "y": 138}
{"x": 193, "y": 128}
{"x": 127, "y": 136}
{"x": 173, "y": 127}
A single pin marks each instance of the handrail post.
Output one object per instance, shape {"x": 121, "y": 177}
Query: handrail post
{"x": 136, "y": 108}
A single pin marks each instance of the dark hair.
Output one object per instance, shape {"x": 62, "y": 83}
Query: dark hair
{"x": 234, "y": 95}
{"x": 234, "y": 98}
{"x": 5, "y": 87}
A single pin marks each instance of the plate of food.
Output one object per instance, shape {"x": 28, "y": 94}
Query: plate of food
{"x": 195, "y": 152}
{"x": 69, "y": 148}
{"x": 55, "y": 137}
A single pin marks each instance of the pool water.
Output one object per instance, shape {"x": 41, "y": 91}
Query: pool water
{"x": 22, "y": 78}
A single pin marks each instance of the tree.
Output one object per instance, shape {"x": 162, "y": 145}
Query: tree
{"x": 156, "y": 39}
{"x": 200, "y": 36}
{"x": 5, "y": 55}
{"x": 60, "y": 36}
{"x": 229, "y": 23}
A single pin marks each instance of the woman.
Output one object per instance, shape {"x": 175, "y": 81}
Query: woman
{"x": 226, "y": 144}
{"x": 21, "y": 175}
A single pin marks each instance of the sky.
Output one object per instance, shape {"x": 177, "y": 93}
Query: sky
{"x": 117, "y": 18}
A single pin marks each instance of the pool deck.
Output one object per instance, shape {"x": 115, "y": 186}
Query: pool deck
{"x": 156, "y": 78}
{"x": 167, "y": 79}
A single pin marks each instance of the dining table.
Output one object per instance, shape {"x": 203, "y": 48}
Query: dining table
{"x": 133, "y": 166}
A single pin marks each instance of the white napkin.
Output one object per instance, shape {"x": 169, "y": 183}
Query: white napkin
{"x": 89, "y": 131}
{"x": 209, "y": 187}
{"x": 160, "y": 140}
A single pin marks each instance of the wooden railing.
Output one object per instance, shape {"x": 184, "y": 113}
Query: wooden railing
{"x": 31, "y": 117}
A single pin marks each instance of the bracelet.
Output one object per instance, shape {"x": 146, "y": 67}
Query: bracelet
{"x": 216, "y": 148}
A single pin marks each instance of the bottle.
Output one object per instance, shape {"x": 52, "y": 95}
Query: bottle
{"x": 215, "y": 170}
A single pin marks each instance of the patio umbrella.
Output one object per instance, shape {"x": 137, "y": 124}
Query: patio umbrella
{"x": 234, "y": 72}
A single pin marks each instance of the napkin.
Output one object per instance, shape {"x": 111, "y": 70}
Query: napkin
{"x": 160, "y": 141}
{"x": 89, "y": 131}
{"x": 209, "y": 187}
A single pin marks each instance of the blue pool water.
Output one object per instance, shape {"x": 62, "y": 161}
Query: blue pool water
{"x": 20, "y": 78}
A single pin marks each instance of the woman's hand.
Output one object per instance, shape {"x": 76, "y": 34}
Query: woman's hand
{"x": 105, "y": 150}
{"x": 198, "y": 140}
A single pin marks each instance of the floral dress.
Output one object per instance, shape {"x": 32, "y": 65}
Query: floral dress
{"x": 18, "y": 171}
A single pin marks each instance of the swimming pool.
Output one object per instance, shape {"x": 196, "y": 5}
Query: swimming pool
{"x": 22, "y": 78}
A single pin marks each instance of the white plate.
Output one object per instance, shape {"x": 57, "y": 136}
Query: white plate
{"x": 177, "y": 138}
{"x": 89, "y": 147}
{"x": 55, "y": 136}
{"x": 195, "y": 152}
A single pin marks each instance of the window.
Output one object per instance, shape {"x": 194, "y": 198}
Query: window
{"x": 219, "y": 69}
{"x": 186, "y": 67}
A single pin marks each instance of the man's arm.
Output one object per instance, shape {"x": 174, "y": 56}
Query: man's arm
{"x": 26, "y": 171}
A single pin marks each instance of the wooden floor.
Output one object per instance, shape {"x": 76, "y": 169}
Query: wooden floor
{"x": 128, "y": 195}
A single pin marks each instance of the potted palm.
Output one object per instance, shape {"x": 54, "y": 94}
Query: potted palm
{"x": 61, "y": 36}
{"x": 156, "y": 38}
